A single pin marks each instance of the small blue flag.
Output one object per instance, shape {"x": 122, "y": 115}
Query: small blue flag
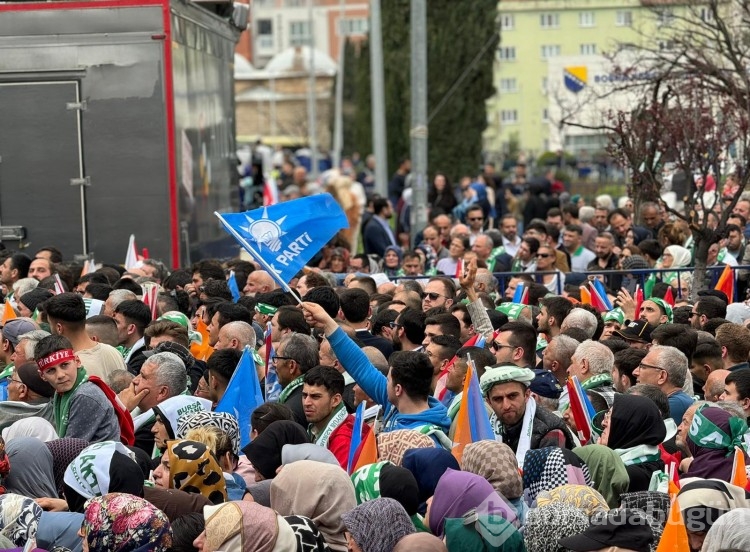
{"x": 284, "y": 237}
{"x": 359, "y": 422}
{"x": 233, "y": 287}
{"x": 242, "y": 395}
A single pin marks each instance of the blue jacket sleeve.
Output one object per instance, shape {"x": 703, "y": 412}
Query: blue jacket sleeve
{"x": 359, "y": 367}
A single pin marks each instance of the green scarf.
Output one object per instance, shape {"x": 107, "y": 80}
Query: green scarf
{"x": 704, "y": 433}
{"x": 366, "y": 482}
{"x": 61, "y": 403}
{"x": 597, "y": 381}
{"x": 297, "y": 382}
{"x": 607, "y": 470}
{"x": 338, "y": 417}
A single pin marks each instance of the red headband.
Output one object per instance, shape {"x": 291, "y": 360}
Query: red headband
{"x": 53, "y": 359}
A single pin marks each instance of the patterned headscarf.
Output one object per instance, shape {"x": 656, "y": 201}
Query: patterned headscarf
{"x": 321, "y": 492}
{"x": 392, "y": 445}
{"x": 377, "y": 525}
{"x": 19, "y": 518}
{"x": 309, "y": 539}
{"x": 549, "y": 467}
{"x": 249, "y": 526}
{"x": 63, "y": 452}
{"x": 120, "y": 522}
{"x": 497, "y": 463}
{"x": 546, "y": 526}
{"x": 587, "y": 499}
{"x": 221, "y": 420}
{"x": 194, "y": 469}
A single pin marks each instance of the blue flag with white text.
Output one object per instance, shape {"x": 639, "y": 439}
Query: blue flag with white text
{"x": 242, "y": 395}
{"x": 285, "y": 236}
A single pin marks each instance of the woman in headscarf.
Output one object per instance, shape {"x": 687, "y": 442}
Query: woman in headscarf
{"x": 392, "y": 445}
{"x": 31, "y": 472}
{"x": 549, "y": 467}
{"x": 377, "y": 525}
{"x": 19, "y": 518}
{"x": 220, "y": 445}
{"x": 106, "y": 467}
{"x": 63, "y": 452}
{"x": 309, "y": 539}
{"x": 59, "y": 531}
{"x": 497, "y": 463}
{"x": 392, "y": 259}
{"x": 704, "y": 501}
{"x": 674, "y": 256}
{"x": 321, "y": 492}
{"x": 607, "y": 471}
{"x": 244, "y": 526}
{"x": 581, "y": 496}
{"x": 428, "y": 465}
{"x": 383, "y": 479}
{"x": 634, "y": 429}
{"x": 191, "y": 467}
{"x": 546, "y": 526}
{"x": 307, "y": 451}
{"x": 459, "y": 492}
{"x": 265, "y": 450}
{"x": 711, "y": 440}
{"x": 725, "y": 535}
{"x": 120, "y": 522}
{"x": 482, "y": 532}
{"x": 30, "y": 427}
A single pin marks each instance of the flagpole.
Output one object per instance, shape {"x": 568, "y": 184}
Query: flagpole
{"x": 250, "y": 249}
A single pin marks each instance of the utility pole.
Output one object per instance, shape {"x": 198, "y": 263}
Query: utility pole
{"x": 418, "y": 131}
{"x": 312, "y": 116}
{"x": 338, "y": 125}
{"x": 377, "y": 93}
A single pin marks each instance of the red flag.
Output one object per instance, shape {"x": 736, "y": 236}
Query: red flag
{"x": 638, "y": 301}
{"x": 726, "y": 283}
{"x": 459, "y": 268}
{"x": 668, "y": 297}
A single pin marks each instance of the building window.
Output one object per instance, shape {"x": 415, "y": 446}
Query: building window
{"x": 354, "y": 26}
{"x": 294, "y": 3}
{"x": 507, "y": 53}
{"x": 299, "y": 33}
{"x": 544, "y": 85}
{"x": 549, "y": 20}
{"x": 586, "y": 19}
{"x": 666, "y": 45}
{"x": 509, "y": 116}
{"x": 265, "y": 34}
{"x": 508, "y": 86}
{"x": 550, "y": 50}
{"x": 707, "y": 15}
{"x": 588, "y": 49}
{"x": 624, "y": 18}
{"x": 545, "y": 115}
{"x": 664, "y": 17}
{"x": 507, "y": 22}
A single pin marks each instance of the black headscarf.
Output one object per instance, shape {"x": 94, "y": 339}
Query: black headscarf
{"x": 399, "y": 484}
{"x": 636, "y": 420}
{"x": 264, "y": 452}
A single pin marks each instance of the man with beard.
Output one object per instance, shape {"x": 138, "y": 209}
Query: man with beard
{"x": 408, "y": 330}
{"x": 522, "y": 424}
{"x": 554, "y": 310}
{"x": 606, "y": 259}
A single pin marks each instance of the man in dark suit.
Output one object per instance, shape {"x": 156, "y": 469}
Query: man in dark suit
{"x": 356, "y": 312}
{"x": 378, "y": 234}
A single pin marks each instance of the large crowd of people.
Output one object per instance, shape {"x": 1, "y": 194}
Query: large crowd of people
{"x": 111, "y": 440}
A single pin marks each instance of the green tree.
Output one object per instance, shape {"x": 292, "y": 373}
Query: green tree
{"x": 462, "y": 39}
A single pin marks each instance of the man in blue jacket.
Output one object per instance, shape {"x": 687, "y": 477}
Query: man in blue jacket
{"x": 404, "y": 394}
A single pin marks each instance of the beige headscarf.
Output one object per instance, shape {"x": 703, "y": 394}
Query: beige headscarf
{"x": 392, "y": 445}
{"x": 321, "y": 492}
{"x": 496, "y": 462}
